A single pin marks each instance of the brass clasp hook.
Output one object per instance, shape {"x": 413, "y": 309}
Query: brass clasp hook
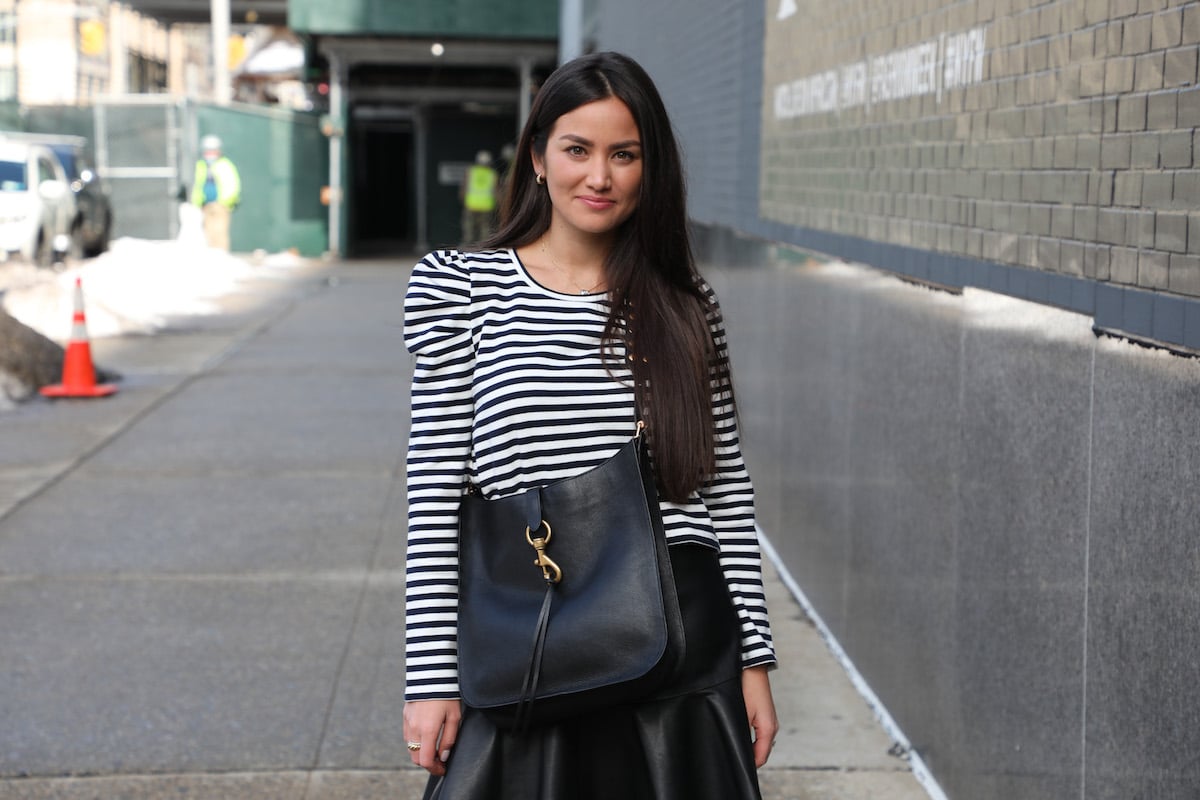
{"x": 550, "y": 570}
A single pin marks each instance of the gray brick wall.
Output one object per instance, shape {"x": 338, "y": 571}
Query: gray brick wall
{"x": 1081, "y": 133}
{"x": 1074, "y": 154}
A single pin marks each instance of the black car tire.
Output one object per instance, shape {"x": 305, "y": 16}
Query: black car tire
{"x": 77, "y": 249}
{"x": 95, "y": 247}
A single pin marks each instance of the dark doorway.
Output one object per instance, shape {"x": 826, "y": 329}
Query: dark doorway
{"x": 382, "y": 206}
{"x": 458, "y": 133}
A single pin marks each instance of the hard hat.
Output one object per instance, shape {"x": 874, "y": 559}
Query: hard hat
{"x": 483, "y": 157}
{"x": 210, "y": 142}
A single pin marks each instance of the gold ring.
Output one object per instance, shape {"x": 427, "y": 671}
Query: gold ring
{"x": 413, "y": 746}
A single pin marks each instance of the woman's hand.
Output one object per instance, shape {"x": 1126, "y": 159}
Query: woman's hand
{"x": 433, "y": 723}
{"x": 760, "y": 710}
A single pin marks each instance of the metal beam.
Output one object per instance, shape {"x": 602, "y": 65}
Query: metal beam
{"x": 355, "y": 50}
{"x": 337, "y": 111}
{"x": 442, "y": 95}
{"x": 222, "y": 88}
{"x": 260, "y": 12}
{"x": 570, "y": 30}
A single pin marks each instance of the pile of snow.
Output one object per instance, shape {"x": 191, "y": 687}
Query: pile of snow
{"x": 136, "y": 287}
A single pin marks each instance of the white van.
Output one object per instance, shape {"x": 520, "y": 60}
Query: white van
{"x": 36, "y": 203}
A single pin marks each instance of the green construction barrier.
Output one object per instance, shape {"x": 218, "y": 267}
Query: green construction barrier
{"x": 64, "y": 120}
{"x": 10, "y": 117}
{"x": 283, "y": 160}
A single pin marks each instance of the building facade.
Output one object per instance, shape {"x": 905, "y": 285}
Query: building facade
{"x": 63, "y": 52}
{"x": 417, "y": 89}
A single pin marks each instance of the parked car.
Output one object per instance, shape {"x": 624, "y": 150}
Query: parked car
{"x": 93, "y": 207}
{"x": 37, "y": 206}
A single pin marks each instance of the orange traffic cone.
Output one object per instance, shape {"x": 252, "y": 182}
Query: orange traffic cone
{"x": 79, "y": 376}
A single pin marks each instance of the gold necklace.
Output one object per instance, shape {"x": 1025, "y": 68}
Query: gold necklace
{"x": 567, "y": 275}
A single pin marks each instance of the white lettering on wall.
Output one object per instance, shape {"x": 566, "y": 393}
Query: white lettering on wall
{"x": 948, "y": 62}
{"x": 962, "y": 58}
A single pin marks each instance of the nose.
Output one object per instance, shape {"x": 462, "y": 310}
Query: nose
{"x": 599, "y": 175}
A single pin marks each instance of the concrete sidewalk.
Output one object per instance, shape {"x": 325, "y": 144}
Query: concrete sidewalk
{"x": 201, "y": 578}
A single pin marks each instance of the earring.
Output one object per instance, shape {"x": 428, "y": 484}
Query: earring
{"x": 540, "y": 180}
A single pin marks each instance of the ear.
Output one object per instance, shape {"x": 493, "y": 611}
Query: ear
{"x": 539, "y": 164}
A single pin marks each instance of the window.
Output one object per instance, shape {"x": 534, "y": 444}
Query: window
{"x": 12, "y": 176}
{"x": 146, "y": 76}
{"x": 45, "y": 170}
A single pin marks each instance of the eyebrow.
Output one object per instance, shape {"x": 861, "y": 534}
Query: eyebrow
{"x": 572, "y": 137}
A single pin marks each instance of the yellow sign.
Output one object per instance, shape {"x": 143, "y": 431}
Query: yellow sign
{"x": 92, "y": 36}
{"x": 237, "y": 51}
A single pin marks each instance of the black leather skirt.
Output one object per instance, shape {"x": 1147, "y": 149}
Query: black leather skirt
{"x": 690, "y": 742}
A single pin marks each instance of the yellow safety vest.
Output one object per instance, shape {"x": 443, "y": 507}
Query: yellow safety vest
{"x": 481, "y": 188}
{"x": 229, "y": 182}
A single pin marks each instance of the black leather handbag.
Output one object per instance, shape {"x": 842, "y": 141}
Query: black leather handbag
{"x": 567, "y": 602}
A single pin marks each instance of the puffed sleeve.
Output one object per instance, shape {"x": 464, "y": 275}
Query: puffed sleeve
{"x": 729, "y": 498}
{"x": 437, "y": 330}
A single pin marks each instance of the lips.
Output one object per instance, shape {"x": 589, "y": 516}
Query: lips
{"x": 597, "y": 203}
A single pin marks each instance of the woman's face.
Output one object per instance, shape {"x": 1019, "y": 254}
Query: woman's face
{"x": 593, "y": 167}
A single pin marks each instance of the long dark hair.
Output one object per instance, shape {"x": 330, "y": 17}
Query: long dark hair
{"x": 660, "y": 305}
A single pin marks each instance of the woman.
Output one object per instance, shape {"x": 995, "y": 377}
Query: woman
{"x": 528, "y": 352}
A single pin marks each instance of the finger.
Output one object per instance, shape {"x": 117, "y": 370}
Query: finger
{"x": 449, "y": 737}
{"x": 762, "y": 750}
{"x": 430, "y": 763}
{"x": 409, "y": 737}
{"x": 413, "y": 755}
{"x": 766, "y": 728}
{"x": 428, "y": 753}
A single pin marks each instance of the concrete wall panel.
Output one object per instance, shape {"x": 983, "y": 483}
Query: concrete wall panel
{"x": 988, "y": 505}
{"x": 1022, "y": 546}
{"x": 1143, "y": 672}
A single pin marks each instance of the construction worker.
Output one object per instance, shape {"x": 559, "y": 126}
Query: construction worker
{"x": 479, "y": 198}
{"x": 217, "y": 190}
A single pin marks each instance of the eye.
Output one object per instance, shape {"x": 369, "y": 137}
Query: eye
{"x": 625, "y": 155}
{"x": 576, "y": 150}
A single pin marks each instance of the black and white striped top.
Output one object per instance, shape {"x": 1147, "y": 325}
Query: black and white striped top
{"x": 511, "y": 391}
